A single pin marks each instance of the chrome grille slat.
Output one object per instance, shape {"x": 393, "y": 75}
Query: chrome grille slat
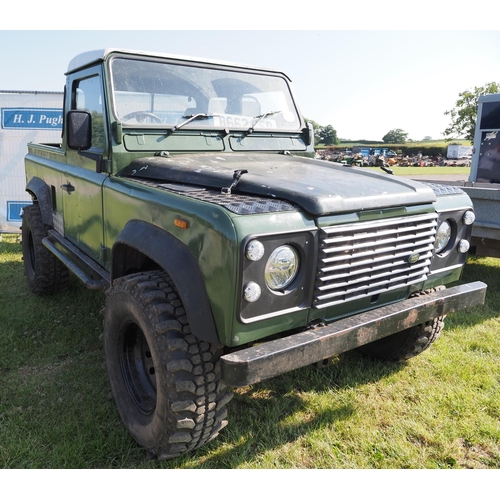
{"x": 398, "y": 267}
{"x": 380, "y": 223}
{"x": 387, "y": 253}
{"x": 375, "y": 292}
{"x": 385, "y": 232}
{"x": 378, "y": 284}
{"x": 375, "y": 243}
{"x": 368, "y": 258}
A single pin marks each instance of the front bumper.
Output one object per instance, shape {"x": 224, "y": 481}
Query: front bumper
{"x": 276, "y": 357}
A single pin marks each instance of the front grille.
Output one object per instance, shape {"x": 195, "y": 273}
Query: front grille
{"x": 368, "y": 258}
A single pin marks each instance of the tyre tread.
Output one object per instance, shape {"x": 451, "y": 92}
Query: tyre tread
{"x": 197, "y": 397}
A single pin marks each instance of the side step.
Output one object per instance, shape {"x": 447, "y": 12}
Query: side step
{"x": 93, "y": 276}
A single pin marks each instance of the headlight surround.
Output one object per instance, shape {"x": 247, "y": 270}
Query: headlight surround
{"x": 443, "y": 236}
{"x": 281, "y": 268}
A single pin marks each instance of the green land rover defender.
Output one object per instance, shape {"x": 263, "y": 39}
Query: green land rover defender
{"x": 188, "y": 191}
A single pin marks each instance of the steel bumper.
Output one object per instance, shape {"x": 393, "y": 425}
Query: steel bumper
{"x": 276, "y": 357}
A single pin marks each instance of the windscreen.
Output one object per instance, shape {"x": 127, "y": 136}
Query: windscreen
{"x": 165, "y": 94}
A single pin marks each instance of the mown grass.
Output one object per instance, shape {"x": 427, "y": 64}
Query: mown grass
{"x": 439, "y": 410}
{"x": 423, "y": 171}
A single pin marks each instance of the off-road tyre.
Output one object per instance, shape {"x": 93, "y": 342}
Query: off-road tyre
{"x": 166, "y": 383}
{"x": 407, "y": 343}
{"x": 45, "y": 273}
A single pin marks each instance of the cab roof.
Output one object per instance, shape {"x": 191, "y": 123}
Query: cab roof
{"x": 94, "y": 56}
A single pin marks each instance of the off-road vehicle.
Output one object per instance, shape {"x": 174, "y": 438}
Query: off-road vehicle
{"x": 188, "y": 191}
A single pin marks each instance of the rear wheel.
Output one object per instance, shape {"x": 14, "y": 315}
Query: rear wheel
{"x": 45, "y": 273}
{"x": 166, "y": 383}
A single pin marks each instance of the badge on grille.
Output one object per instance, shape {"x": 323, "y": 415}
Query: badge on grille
{"x": 413, "y": 258}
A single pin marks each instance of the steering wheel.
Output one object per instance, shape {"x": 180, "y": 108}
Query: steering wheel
{"x": 142, "y": 116}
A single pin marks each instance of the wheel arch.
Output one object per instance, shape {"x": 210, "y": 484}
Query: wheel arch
{"x": 152, "y": 246}
{"x": 40, "y": 193}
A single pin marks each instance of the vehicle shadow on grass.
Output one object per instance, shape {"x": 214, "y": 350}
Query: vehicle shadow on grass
{"x": 284, "y": 409}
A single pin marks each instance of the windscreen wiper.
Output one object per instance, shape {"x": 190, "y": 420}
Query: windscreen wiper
{"x": 190, "y": 118}
{"x": 260, "y": 118}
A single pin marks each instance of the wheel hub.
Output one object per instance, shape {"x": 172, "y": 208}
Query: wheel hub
{"x": 138, "y": 369}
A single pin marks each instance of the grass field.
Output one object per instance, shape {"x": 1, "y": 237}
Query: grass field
{"x": 440, "y": 410}
{"x": 423, "y": 171}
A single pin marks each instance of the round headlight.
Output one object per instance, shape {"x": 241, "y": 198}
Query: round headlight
{"x": 281, "y": 268}
{"x": 443, "y": 236}
{"x": 254, "y": 250}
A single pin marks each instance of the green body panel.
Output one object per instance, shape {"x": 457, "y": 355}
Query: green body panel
{"x": 45, "y": 162}
{"x": 141, "y": 141}
{"x": 210, "y": 235}
{"x": 83, "y": 210}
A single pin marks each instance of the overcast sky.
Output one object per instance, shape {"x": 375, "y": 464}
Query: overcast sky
{"x": 362, "y": 82}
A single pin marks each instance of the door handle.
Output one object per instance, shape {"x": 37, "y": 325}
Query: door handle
{"x": 67, "y": 187}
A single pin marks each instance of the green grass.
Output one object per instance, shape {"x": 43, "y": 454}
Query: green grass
{"x": 439, "y": 410}
{"x": 423, "y": 171}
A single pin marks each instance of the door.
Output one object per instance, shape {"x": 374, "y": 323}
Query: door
{"x": 82, "y": 185}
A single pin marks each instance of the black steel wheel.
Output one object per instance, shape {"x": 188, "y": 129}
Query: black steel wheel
{"x": 165, "y": 382}
{"x": 138, "y": 370}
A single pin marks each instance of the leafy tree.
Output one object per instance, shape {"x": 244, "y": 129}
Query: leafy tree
{"x": 314, "y": 124}
{"x": 427, "y": 138}
{"x": 463, "y": 115}
{"x": 395, "y": 136}
{"x": 327, "y": 136}
{"x": 324, "y": 135}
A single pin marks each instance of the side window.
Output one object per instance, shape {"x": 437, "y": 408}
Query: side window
{"x": 87, "y": 96}
{"x": 490, "y": 118}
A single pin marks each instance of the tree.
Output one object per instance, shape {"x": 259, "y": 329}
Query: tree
{"x": 395, "y": 136}
{"x": 323, "y": 135}
{"x": 327, "y": 136}
{"x": 427, "y": 138}
{"x": 463, "y": 115}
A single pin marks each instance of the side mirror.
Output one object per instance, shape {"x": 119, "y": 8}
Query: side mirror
{"x": 309, "y": 134}
{"x": 79, "y": 128}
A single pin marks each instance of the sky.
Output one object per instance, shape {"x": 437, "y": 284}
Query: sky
{"x": 363, "y": 82}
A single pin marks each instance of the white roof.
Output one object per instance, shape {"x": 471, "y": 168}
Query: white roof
{"x": 93, "y": 56}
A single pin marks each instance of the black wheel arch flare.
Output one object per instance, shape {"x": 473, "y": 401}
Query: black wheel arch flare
{"x": 40, "y": 192}
{"x": 175, "y": 258}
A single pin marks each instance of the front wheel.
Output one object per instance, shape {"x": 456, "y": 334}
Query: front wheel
{"x": 166, "y": 383}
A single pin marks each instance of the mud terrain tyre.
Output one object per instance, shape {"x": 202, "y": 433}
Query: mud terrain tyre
{"x": 45, "y": 273}
{"x": 407, "y": 343}
{"x": 165, "y": 382}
